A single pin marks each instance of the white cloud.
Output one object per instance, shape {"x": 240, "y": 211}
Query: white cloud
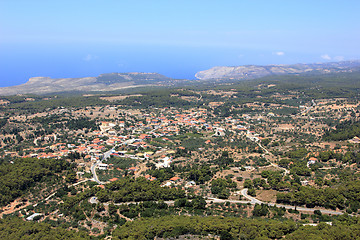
{"x": 337, "y": 58}
{"x": 325, "y": 57}
{"x": 280, "y": 53}
{"x": 89, "y": 58}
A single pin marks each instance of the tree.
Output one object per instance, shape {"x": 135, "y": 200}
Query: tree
{"x": 260, "y": 210}
{"x": 112, "y": 209}
{"x": 198, "y": 203}
{"x": 252, "y": 192}
{"x": 71, "y": 177}
{"x": 103, "y": 196}
{"x": 180, "y": 202}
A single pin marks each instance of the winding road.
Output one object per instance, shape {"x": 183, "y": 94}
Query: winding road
{"x": 105, "y": 156}
{"x": 304, "y": 209}
{"x": 93, "y": 171}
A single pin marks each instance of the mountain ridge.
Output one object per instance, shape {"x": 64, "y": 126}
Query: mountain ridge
{"x": 104, "y": 82}
{"x": 116, "y": 81}
{"x": 257, "y": 71}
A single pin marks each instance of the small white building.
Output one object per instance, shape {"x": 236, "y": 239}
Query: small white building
{"x": 190, "y": 184}
{"x": 31, "y": 218}
{"x": 304, "y": 182}
{"x": 166, "y": 162}
{"x": 103, "y": 166}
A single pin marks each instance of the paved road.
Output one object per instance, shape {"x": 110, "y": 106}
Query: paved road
{"x": 305, "y": 209}
{"x": 218, "y": 200}
{"x": 251, "y": 199}
{"x": 93, "y": 171}
{"x": 94, "y": 200}
{"x": 105, "y": 156}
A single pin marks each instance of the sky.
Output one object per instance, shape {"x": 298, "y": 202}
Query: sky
{"x": 84, "y": 38}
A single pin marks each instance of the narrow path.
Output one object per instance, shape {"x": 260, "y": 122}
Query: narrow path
{"x": 44, "y": 200}
{"x": 286, "y": 171}
{"x": 72, "y": 185}
{"x": 258, "y": 142}
{"x": 122, "y": 216}
{"x": 142, "y": 168}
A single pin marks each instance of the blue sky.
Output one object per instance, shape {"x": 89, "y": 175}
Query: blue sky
{"x": 175, "y": 38}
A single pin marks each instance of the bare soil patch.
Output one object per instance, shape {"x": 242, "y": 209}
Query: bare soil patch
{"x": 266, "y": 195}
{"x": 116, "y": 98}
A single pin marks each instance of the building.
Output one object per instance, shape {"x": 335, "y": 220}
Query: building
{"x": 103, "y": 166}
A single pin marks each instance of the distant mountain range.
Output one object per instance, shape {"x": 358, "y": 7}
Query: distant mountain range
{"x": 117, "y": 81}
{"x": 254, "y": 71}
{"x": 104, "y": 82}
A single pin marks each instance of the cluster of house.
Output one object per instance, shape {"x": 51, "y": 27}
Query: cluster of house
{"x": 138, "y": 133}
{"x": 172, "y": 182}
{"x": 90, "y": 150}
{"x": 133, "y": 134}
{"x": 175, "y": 181}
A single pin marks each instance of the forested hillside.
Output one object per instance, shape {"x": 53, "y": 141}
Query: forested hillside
{"x": 234, "y": 228}
{"x": 130, "y": 190}
{"x": 16, "y": 229}
{"x": 344, "y": 131}
{"x": 17, "y": 177}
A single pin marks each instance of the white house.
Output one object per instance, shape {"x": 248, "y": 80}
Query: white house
{"x": 103, "y": 166}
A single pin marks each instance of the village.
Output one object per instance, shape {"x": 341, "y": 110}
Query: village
{"x": 169, "y": 145}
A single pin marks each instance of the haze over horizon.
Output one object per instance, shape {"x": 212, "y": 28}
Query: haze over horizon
{"x": 177, "y": 39}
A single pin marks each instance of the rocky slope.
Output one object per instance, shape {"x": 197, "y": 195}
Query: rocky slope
{"x": 253, "y": 71}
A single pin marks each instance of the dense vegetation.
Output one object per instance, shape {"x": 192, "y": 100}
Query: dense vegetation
{"x": 234, "y": 228}
{"x": 221, "y": 187}
{"x": 339, "y": 197}
{"x": 156, "y": 99}
{"x": 200, "y": 174}
{"x": 140, "y": 189}
{"x": 17, "y": 177}
{"x": 71, "y": 201}
{"x": 344, "y": 227}
{"x": 344, "y": 131}
{"x": 3, "y": 122}
{"x": 39, "y": 105}
{"x": 15, "y": 228}
{"x": 312, "y": 85}
{"x": 81, "y": 123}
{"x": 227, "y": 228}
